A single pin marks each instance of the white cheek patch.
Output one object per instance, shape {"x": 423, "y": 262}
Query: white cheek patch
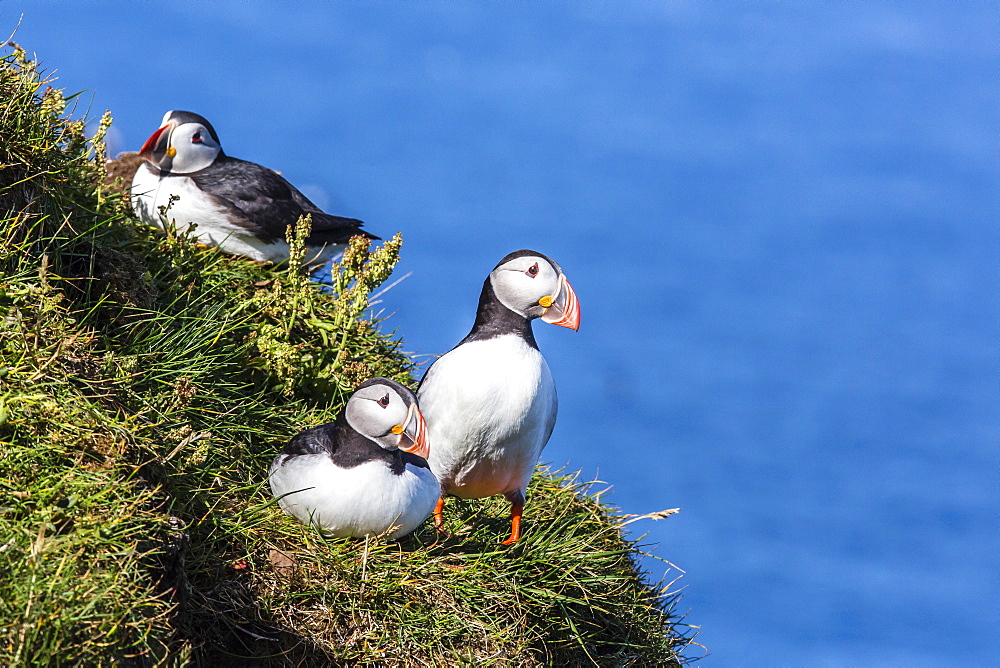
{"x": 519, "y": 292}
{"x": 190, "y": 156}
{"x": 503, "y": 291}
{"x": 369, "y": 418}
{"x": 365, "y": 416}
{"x": 354, "y": 415}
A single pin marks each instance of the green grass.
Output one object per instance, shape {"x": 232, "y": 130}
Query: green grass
{"x": 145, "y": 385}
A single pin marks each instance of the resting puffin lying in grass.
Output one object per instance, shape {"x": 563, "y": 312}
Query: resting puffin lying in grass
{"x": 363, "y": 474}
{"x": 239, "y": 206}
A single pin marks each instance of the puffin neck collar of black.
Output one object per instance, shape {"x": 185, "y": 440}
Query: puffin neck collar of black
{"x": 493, "y": 319}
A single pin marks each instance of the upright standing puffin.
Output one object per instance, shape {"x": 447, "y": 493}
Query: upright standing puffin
{"x": 364, "y": 473}
{"x": 239, "y": 206}
{"x": 490, "y": 402}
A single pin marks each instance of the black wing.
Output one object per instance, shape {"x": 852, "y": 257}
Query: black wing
{"x": 262, "y": 202}
{"x": 313, "y": 441}
{"x": 327, "y": 228}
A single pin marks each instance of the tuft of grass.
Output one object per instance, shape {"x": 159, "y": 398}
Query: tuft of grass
{"x": 145, "y": 385}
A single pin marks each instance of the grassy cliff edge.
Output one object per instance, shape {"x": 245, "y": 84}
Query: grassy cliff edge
{"x": 145, "y": 385}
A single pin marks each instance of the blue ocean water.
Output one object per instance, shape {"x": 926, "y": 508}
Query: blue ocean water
{"x": 782, "y": 224}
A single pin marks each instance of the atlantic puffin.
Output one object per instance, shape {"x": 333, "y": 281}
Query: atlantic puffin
{"x": 239, "y": 206}
{"x": 365, "y": 473}
{"x": 490, "y": 402}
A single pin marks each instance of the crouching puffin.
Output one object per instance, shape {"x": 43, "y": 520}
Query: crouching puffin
{"x": 364, "y": 474}
{"x": 239, "y": 206}
{"x": 490, "y": 402}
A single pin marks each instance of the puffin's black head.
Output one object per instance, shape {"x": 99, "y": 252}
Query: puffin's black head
{"x": 524, "y": 252}
{"x": 386, "y": 412}
{"x": 181, "y": 117}
{"x": 185, "y": 142}
{"x": 534, "y": 286}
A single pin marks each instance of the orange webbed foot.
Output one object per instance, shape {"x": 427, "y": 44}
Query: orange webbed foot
{"x": 439, "y": 518}
{"x": 516, "y": 510}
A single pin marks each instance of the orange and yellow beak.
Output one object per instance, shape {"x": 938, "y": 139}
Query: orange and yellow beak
{"x": 413, "y": 434}
{"x": 563, "y": 309}
{"x": 147, "y": 149}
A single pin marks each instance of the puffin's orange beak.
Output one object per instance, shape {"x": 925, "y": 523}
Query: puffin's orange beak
{"x": 414, "y": 436}
{"x": 147, "y": 149}
{"x": 565, "y": 308}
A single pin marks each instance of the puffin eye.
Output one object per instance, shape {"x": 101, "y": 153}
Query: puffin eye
{"x": 384, "y": 401}
{"x": 532, "y": 270}
{"x": 196, "y": 139}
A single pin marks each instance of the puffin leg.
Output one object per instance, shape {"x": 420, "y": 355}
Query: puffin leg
{"x": 439, "y": 515}
{"x": 516, "y": 499}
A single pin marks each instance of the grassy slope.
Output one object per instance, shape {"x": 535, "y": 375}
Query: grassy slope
{"x": 145, "y": 384}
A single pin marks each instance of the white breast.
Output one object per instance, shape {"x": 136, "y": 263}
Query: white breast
{"x": 151, "y": 190}
{"x": 490, "y": 408}
{"x": 365, "y": 500}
